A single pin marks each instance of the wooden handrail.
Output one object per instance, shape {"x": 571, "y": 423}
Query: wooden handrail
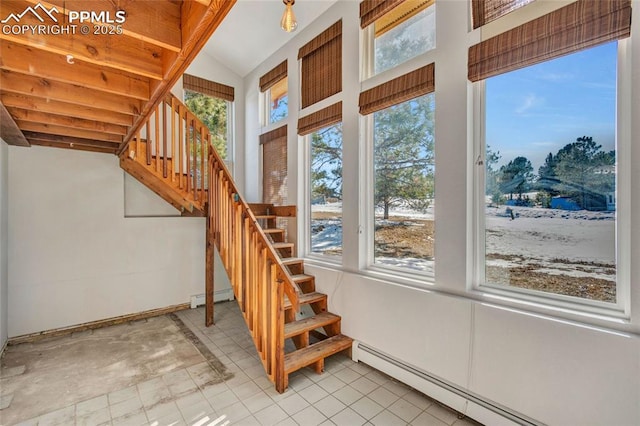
{"x": 179, "y": 152}
{"x": 258, "y": 277}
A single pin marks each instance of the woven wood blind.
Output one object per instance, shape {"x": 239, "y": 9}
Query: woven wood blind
{"x": 280, "y": 132}
{"x": 400, "y": 89}
{"x": 320, "y": 119}
{"x": 577, "y": 26}
{"x": 273, "y": 76}
{"x": 274, "y": 166}
{"x": 322, "y": 65}
{"x": 404, "y": 11}
{"x": 485, "y": 11}
{"x": 371, "y": 10}
{"x": 210, "y": 88}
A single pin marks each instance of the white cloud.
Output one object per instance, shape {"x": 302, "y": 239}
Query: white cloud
{"x": 528, "y": 102}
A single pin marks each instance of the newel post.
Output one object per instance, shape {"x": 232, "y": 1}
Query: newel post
{"x": 208, "y": 254}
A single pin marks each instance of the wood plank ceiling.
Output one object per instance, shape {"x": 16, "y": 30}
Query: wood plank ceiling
{"x": 91, "y": 91}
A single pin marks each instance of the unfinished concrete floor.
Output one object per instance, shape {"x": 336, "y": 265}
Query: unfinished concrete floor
{"x": 54, "y": 373}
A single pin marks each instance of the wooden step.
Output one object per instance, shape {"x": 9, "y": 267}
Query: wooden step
{"x": 307, "y": 299}
{"x": 294, "y": 264}
{"x": 301, "y": 278}
{"x": 294, "y": 361}
{"x": 305, "y": 325}
{"x": 288, "y": 261}
{"x": 283, "y": 245}
{"x": 266, "y": 216}
{"x": 273, "y": 231}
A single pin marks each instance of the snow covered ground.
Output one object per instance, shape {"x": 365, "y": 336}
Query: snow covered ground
{"x": 555, "y": 242}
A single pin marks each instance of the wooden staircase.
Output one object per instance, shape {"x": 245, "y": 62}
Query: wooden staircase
{"x": 314, "y": 332}
{"x": 171, "y": 153}
{"x": 168, "y": 157}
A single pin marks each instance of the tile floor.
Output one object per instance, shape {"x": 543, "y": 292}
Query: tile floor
{"x": 348, "y": 393}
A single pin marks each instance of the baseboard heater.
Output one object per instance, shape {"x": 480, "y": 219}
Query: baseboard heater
{"x": 462, "y": 400}
{"x": 218, "y": 296}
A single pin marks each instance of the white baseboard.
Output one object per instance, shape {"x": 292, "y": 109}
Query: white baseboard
{"x": 218, "y": 296}
{"x": 461, "y": 400}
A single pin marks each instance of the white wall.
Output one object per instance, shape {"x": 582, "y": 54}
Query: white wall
{"x": 4, "y": 221}
{"x": 74, "y": 256}
{"x": 552, "y": 366}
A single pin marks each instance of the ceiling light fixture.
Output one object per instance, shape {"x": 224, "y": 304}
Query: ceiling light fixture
{"x": 288, "y": 21}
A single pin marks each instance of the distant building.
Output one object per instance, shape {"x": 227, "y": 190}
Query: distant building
{"x": 564, "y": 203}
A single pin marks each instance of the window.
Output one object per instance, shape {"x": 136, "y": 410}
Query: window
{"x": 403, "y": 192}
{"x": 325, "y": 171}
{"x": 211, "y": 103}
{"x": 278, "y": 101}
{"x": 549, "y": 212}
{"x": 274, "y": 86}
{"x": 402, "y": 170}
{"x": 550, "y": 181}
{"x": 399, "y": 32}
{"x": 323, "y": 131}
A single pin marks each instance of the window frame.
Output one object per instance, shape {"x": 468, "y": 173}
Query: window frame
{"x": 519, "y": 296}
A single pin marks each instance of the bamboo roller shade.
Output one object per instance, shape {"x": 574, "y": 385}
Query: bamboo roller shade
{"x": 273, "y": 76}
{"x": 408, "y": 86}
{"x": 280, "y": 132}
{"x": 577, "y": 26}
{"x": 485, "y": 11}
{"x": 322, "y": 65}
{"x": 274, "y": 166}
{"x": 210, "y": 88}
{"x": 399, "y": 14}
{"x": 371, "y": 10}
{"x": 320, "y": 119}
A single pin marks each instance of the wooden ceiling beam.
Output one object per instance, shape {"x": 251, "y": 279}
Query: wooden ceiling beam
{"x": 63, "y": 108}
{"x": 197, "y": 26}
{"x": 53, "y": 90}
{"x": 142, "y": 18}
{"x": 44, "y": 137}
{"x": 9, "y": 130}
{"x": 28, "y": 126}
{"x": 27, "y": 60}
{"x": 71, "y": 145}
{"x": 66, "y": 121}
{"x": 119, "y": 52}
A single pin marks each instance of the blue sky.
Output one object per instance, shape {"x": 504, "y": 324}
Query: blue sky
{"x": 534, "y": 111}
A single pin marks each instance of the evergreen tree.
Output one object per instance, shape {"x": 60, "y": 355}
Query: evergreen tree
{"x": 404, "y": 154}
{"x": 585, "y": 173}
{"x": 516, "y": 177}
{"x": 326, "y": 163}
{"x": 491, "y": 174}
{"x": 213, "y": 113}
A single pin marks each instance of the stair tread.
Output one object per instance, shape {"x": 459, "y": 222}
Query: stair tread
{"x": 298, "y": 327}
{"x": 302, "y": 357}
{"x": 282, "y": 245}
{"x": 266, "y": 216}
{"x": 302, "y": 277}
{"x": 291, "y": 260}
{"x": 272, "y": 230}
{"x": 306, "y": 298}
